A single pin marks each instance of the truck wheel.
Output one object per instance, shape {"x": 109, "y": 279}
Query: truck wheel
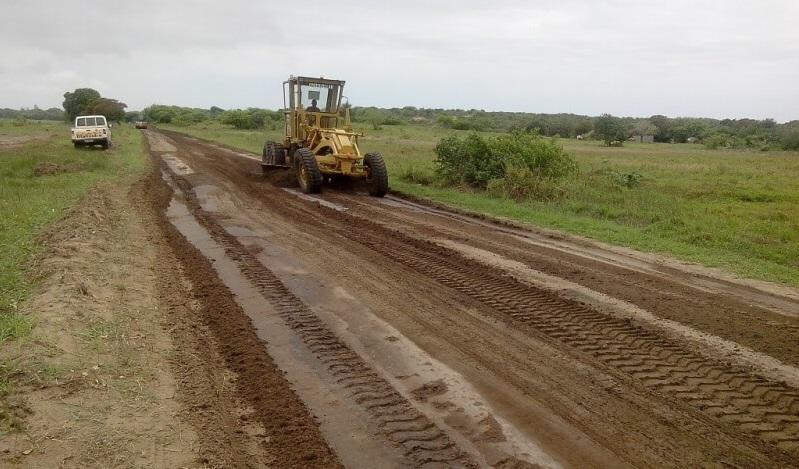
{"x": 106, "y": 144}
{"x": 376, "y": 174}
{"x": 77, "y": 144}
{"x": 308, "y": 174}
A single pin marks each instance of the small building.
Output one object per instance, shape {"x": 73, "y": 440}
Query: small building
{"x": 643, "y": 138}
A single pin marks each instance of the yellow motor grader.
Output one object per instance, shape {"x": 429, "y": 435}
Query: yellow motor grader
{"x": 319, "y": 143}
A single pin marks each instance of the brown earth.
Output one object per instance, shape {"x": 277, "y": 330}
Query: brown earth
{"x": 208, "y": 316}
{"x": 139, "y": 357}
{"x": 599, "y": 357}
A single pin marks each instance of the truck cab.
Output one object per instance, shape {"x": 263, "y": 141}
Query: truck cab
{"x": 91, "y": 130}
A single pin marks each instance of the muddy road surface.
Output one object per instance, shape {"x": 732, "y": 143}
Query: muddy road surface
{"x": 422, "y": 337}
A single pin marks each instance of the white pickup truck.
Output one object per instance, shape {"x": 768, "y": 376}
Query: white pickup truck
{"x": 91, "y": 130}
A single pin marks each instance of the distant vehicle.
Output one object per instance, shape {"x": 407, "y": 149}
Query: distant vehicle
{"x": 141, "y": 124}
{"x": 91, "y": 130}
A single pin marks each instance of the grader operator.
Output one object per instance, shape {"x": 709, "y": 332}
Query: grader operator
{"x": 319, "y": 143}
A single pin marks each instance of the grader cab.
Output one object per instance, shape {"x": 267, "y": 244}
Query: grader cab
{"x": 319, "y": 143}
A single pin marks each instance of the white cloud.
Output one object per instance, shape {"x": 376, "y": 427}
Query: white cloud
{"x": 701, "y": 58}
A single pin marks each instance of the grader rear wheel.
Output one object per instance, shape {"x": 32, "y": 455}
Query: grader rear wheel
{"x": 273, "y": 155}
{"x": 376, "y": 174}
{"x": 308, "y": 174}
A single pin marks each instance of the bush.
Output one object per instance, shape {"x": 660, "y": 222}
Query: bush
{"x": 520, "y": 165}
{"x": 520, "y": 183}
{"x": 628, "y": 180}
{"x": 722, "y": 140}
{"x": 238, "y": 118}
{"x": 789, "y": 137}
{"x": 467, "y": 160}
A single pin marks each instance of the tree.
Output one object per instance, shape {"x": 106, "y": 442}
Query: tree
{"x": 609, "y": 128}
{"x": 238, "y": 118}
{"x": 76, "y": 102}
{"x": 215, "y": 111}
{"x": 112, "y": 109}
{"x": 644, "y": 127}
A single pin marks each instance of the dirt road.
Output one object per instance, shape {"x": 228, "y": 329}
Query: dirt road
{"x": 418, "y": 336}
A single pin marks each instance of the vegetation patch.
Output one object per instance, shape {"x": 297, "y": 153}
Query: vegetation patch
{"x": 37, "y": 185}
{"x": 519, "y": 165}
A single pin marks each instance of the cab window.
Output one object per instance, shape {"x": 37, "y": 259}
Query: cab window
{"x": 82, "y": 122}
{"x": 320, "y": 92}
{"x": 100, "y": 121}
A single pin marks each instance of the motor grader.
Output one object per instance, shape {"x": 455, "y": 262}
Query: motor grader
{"x": 319, "y": 144}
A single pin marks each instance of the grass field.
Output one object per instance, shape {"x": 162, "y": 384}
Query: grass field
{"x": 41, "y": 176}
{"x": 738, "y": 210}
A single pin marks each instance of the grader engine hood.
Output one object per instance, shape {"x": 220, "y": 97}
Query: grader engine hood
{"x": 338, "y": 151}
{"x": 342, "y": 143}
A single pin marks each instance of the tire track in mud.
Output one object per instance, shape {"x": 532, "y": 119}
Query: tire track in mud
{"x": 730, "y": 394}
{"x": 422, "y": 441}
{"x": 734, "y": 318}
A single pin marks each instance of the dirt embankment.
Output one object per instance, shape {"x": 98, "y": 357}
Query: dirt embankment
{"x": 92, "y": 385}
{"x": 139, "y": 357}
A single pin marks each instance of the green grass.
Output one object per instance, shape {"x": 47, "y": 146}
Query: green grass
{"x": 29, "y": 202}
{"x": 738, "y": 210}
{"x": 250, "y": 140}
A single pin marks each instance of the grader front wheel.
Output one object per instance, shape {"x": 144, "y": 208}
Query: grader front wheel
{"x": 308, "y": 174}
{"x": 376, "y": 174}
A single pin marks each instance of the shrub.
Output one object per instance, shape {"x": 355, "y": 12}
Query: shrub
{"x": 723, "y": 140}
{"x": 629, "y": 180}
{"x": 238, "y": 118}
{"x": 789, "y": 137}
{"x": 519, "y": 165}
{"x": 713, "y": 142}
{"x": 467, "y": 160}
{"x": 521, "y": 183}
{"x": 545, "y": 157}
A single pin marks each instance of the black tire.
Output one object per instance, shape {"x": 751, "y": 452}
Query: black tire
{"x": 265, "y": 152}
{"x": 274, "y": 154}
{"x": 376, "y": 174}
{"x": 106, "y": 144}
{"x": 280, "y": 154}
{"x": 77, "y": 144}
{"x": 308, "y": 174}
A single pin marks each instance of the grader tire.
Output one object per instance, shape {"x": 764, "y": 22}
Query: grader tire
{"x": 308, "y": 174}
{"x": 377, "y": 178}
{"x": 265, "y": 152}
{"x": 279, "y": 152}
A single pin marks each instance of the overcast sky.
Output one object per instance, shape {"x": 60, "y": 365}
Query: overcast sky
{"x": 723, "y": 58}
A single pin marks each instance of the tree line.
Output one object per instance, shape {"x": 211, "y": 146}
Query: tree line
{"x": 763, "y": 134}
{"x": 51, "y": 114}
